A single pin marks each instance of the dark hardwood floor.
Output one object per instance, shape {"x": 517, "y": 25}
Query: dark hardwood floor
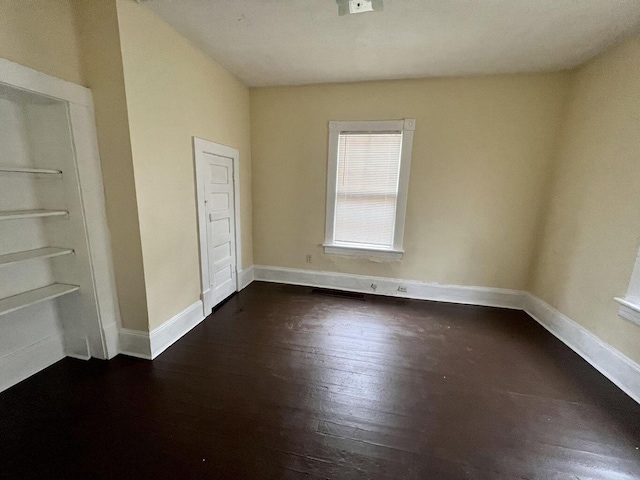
{"x": 283, "y": 383}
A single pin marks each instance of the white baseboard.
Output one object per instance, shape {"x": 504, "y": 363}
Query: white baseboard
{"x": 614, "y": 365}
{"x": 76, "y": 346}
{"x": 245, "y": 277}
{"x": 492, "y": 297}
{"x": 147, "y": 345}
{"x": 172, "y": 330}
{"x": 27, "y": 361}
{"x": 111, "y": 340}
{"x": 134, "y": 343}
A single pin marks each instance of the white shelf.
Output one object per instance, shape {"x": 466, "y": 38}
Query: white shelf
{"x": 629, "y": 309}
{"x": 17, "y": 214}
{"x": 33, "y": 171}
{"x": 47, "y": 252}
{"x": 23, "y": 300}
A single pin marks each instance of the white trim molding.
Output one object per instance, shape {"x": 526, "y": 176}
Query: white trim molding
{"x": 337, "y": 249}
{"x": 405, "y": 127}
{"x": 111, "y": 334}
{"x": 245, "y": 277}
{"x": 630, "y": 304}
{"x": 21, "y": 364}
{"x": 97, "y": 231}
{"x": 29, "y": 79}
{"x": 134, "y": 343}
{"x": 629, "y": 310}
{"x": 614, "y": 365}
{"x": 492, "y": 297}
{"x": 146, "y": 345}
{"x": 171, "y": 331}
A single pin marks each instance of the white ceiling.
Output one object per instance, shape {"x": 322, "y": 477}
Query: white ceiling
{"x": 288, "y": 42}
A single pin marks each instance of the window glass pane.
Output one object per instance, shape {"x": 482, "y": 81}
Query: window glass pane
{"x": 367, "y": 188}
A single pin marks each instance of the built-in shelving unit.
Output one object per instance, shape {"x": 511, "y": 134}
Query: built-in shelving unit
{"x": 54, "y": 242}
{"x": 26, "y": 299}
{"x": 30, "y": 171}
{"x": 18, "y": 214}
{"x": 40, "y": 253}
{"x": 40, "y": 261}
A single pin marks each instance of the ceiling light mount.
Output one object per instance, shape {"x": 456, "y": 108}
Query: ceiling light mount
{"x": 347, "y": 7}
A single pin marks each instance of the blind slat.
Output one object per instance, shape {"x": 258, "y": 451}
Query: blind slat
{"x": 367, "y": 187}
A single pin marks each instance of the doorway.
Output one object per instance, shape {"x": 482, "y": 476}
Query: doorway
{"x": 218, "y": 201}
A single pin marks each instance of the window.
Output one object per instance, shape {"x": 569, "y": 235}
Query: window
{"x": 630, "y": 304}
{"x": 368, "y": 175}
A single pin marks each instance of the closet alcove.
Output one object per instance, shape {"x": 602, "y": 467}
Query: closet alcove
{"x": 57, "y": 290}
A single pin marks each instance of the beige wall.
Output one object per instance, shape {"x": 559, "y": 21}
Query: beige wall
{"x": 97, "y": 23}
{"x": 41, "y": 34}
{"x": 175, "y": 92}
{"x": 481, "y": 156}
{"x": 591, "y": 235}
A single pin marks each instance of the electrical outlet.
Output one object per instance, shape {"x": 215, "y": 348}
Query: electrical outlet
{"x": 347, "y": 7}
{"x": 308, "y": 258}
{"x": 360, "y": 6}
{"x": 402, "y": 289}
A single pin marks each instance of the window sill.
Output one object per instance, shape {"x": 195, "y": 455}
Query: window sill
{"x": 629, "y": 309}
{"x": 362, "y": 251}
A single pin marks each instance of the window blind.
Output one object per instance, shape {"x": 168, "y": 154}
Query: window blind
{"x": 367, "y": 188}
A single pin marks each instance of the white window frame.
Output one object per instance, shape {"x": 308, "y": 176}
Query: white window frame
{"x": 630, "y": 303}
{"x": 406, "y": 127}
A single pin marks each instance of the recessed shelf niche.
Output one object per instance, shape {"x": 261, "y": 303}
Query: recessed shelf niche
{"x": 55, "y": 263}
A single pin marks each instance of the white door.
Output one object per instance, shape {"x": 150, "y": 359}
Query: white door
{"x": 220, "y": 219}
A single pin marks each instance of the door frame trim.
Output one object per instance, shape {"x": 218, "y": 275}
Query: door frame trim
{"x": 200, "y": 147}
